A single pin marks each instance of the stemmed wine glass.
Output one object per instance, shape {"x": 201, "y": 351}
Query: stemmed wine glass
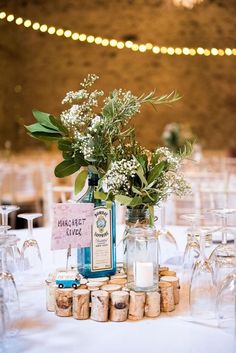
{"x": 202, "y": 292}
{"x": 192, "y": 249}
{"x": 8, "y": 291}
{"x": 226, "y": 300}
{"x": 167, "y": 242}
{"x": 30, "y": 253}
{"x": 5, "y": 210}
{"x": 223, "y": 257}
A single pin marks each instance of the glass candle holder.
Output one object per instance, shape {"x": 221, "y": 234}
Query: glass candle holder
{"x": 142, "y": 259}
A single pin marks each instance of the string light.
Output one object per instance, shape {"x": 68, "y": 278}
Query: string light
{"x": 142, "y": 48}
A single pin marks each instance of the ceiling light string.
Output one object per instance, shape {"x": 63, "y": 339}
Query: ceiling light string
{"x": 81, "y": 37}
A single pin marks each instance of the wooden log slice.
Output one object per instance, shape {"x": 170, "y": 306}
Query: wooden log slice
{"x": 152, "y": 305}
{"x": 167, "y": 297}
{"x": 174, "y": 281}
{"x": 136, "y": 305}
{"x": 119, "y": 306}
{"x": 99, "y": 305}
{"x": 111, "y": 287}
{"x": 63, "y": 301}
{"x": 81, "y": 299}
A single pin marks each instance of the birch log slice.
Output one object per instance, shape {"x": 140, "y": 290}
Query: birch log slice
{"x": 152, "y": 306}
{"x": 167, "y": 297}
{"x": 136, "y": 305}
{"x": 50, "y": 295}
{"x": 81, "y": 304}
{"x": 174, "y": 281}
{"x": 99, "y": 306}
{"x": 64, "y": 301}
{"x": 111, "y": 287}
{"x": 119, "y": 306}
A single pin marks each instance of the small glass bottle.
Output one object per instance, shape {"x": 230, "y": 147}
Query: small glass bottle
{"x": 99, "y": 259}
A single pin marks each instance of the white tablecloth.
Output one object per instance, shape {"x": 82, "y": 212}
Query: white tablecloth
{"x": 170, "y": 333}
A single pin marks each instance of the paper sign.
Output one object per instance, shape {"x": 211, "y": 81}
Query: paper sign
{"x": 72, "y": 224}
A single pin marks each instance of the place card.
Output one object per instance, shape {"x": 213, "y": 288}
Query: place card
{"x": 72, "y": 223}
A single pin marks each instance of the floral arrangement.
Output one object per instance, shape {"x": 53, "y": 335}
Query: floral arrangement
{"x": 101, "y": 140}
{"x": 175, "y": 136}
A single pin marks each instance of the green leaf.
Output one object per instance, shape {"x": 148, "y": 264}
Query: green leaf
{"x": 108, "y": 110}
{"x": 44, "y": 119}
{"x": 65, "y": 145}
{"x": 92, "y": 169}
{"x": 57, "y": 123}
{"x": 143, "y": 161}
{"x": 123, "y": 200}
{"x": 79, "y": 159}
{"x": 66, "y": 168}
{"x": 136, "y": 191}
{"x": 109, "y": 204}
{"x": 137, "y": 200}
{"x": 45, "y": 136}
{"x": 99, "y": 195}
{"x": 67, "y": 154}
{"x": 80, "y": 181}
{"x": 156, "y": 171}
{"x": 37, "y": 127}
{"x": 141, "y": 176}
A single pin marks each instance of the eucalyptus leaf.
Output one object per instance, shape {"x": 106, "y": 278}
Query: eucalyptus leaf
{"x": 57, "y": 123}
{"x": 44, "y": 119}
{"x": 37, "y": 127}
{"x": 80, "y": 181}
{"x": 66, "y": 168}
{"x": 156, "y": 171}
{"x": 45, "y": 136}
{"x": 65, "y": 145}
{"x": 136, "y": 191}
{"x": 137, "y": 200}
{"x": 123, "y": 200}
{"x": 99, "y": 195}
{"x": 67, "y": 154}
{"x": 141, "y": 176}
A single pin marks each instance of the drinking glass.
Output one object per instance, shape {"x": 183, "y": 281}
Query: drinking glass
{"x": 202, "y": 293}
{"x": 30, "y": 253}
{"x": 192, "y": 249}
{"x": 8, "y": 293}
{"x": 5, "y": 210}
{"x": 223, "y": 256}
{"x": 226, "y": 300}
{"x": 167, "y": 242}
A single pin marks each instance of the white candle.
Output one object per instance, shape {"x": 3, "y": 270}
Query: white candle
{"x": 144, "y": 274}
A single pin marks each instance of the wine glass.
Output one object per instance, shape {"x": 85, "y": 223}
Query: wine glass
{"x": 202, "y": 292}
{"x": 223, "y": 256}
{"x": 167, "y": 242}
{"x": 5, "y": 210}
{"x": 226, "y": 300}
{"x": 192, "y": 249}
{"x": 30, "y": 253}
{"x": 8, "y": 292}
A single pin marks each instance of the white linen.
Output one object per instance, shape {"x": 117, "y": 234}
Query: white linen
{"x": 169, "y": 333}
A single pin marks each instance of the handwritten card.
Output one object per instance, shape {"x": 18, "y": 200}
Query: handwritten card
{"x": 72, "y": 224}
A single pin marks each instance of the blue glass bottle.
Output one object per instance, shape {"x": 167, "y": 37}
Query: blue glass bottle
{"x": 99, "y": 259}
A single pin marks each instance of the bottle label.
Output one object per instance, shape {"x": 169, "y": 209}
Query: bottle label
{"x": 101, "y": 240}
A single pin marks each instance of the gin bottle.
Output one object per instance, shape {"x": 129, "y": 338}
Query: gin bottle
{"x": 99, "y": 259}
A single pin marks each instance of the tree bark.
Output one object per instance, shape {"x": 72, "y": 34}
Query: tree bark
{"x": 81, "y": 304}
{"x": 99, "y": 308}
{"x": 119, "y": 306}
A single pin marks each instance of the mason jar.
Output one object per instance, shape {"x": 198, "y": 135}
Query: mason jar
{"x": 142, "y": 258}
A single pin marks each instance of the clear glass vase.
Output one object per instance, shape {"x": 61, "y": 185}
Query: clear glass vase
{"x": 142, "y": 258}
{"x": 135, "y": 217}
